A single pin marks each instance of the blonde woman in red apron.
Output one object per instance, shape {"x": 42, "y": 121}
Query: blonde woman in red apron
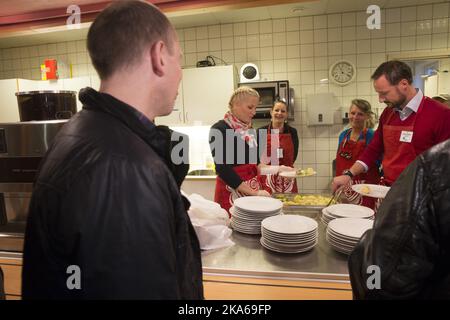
{"x": 235, "y": 151}
{"x": 282, "y": 140}
{"x": 352, "y": 143}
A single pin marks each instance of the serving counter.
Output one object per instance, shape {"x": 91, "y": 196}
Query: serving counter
{"x": 246, "y": 270}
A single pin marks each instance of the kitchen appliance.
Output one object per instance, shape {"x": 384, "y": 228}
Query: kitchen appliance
{"x": 22, "y": 146}
{"x": 46, "y": 105}
{"x": 270, "y": 92}
{"x": 249, "y": 73}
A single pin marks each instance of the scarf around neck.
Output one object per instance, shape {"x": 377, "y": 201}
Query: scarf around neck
{"x": 243, "y": 129}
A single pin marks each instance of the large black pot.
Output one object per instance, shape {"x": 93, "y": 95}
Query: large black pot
{"x": 46, "y": 105}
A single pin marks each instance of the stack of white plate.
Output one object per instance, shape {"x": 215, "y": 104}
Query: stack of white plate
{"x": 344, "y": 210}
{"x": 289, "y": 233}
{"x": 344, "y": 233}
{"x": 248, "y": 212}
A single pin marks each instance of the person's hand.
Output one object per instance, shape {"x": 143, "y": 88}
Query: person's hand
{"x": 285, "y": 169}
{"x": 339, "y": 181}
{"x": 262, "y": 193}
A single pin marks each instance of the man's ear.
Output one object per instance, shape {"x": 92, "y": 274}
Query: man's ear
{"x": 157, "y": 58}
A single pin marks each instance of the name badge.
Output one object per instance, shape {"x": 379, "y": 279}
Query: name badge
{"x": 406, "y": 136}
{"x": 279, "y": 153}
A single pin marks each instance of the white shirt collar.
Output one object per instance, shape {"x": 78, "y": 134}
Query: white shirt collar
{"x": 414, "y": 103}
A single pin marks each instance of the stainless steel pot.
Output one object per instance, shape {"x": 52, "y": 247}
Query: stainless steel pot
{"x": 46, "y": 105}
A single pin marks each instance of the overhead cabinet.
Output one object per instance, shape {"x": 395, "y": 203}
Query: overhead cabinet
{"x": 202, "y": 97}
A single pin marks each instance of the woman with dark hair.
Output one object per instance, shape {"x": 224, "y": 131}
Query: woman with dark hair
{"x": 352, "y": 142}
{"x": 287, "y": 148}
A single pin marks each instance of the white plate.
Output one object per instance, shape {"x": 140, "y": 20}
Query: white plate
{"x": 265, "y": 245}
{"x": 344, "y": 210}
{"x": 293, "y": 174}
{"x": 376, "y": 191}
{"x": 289, "y": 224}
{"x": 350, "y": 227}
{"x": 255, "y": 204}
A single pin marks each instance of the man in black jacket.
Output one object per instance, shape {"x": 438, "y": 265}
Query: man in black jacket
{"x": 106, "y": 219}
{"x": 407, "y": 253}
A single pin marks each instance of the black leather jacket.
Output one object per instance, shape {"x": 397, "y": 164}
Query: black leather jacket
{"x": 106, "y": 201}
{"x": 410, "y": 241}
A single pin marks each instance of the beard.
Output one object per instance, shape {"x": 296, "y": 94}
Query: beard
{"x": 398, "y": 104}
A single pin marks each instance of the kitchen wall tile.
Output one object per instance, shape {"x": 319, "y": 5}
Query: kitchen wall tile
{"x": 378, "y": 45}
{"x": 307, "y": 77}
{"x": 306, "y": 50}
{"x": 320, "y": 35}
{"x": 214, "y": 31}
{"x": 294, "y": 78}
{"x": 440, "y": 25}
{"x": 265, "y": 26}
{"x": 240, "y": 42}
{"x": 440, "y": 10}
{"x": 214, "y": 44}
{"x": 334, "y": 48}
{"x": 424, "y": 27}
{"x": 240, "y": 55}
{"x": 362, "y": 32}
{"x": 279, "y": 52}
{"x": 190, "y": 59}
{"x": 253, "y": 27}
{"x": 42, "y": 50}
{"x": 408, "y": 28}
{"x": 378, "y": 33}
{"x": 226, "y": 30}
{"x": 239, "y": 29}
{"x": 348, "y": 47}
{"x": 423, "y": 42}
{"x": 322, "y": 157}
{"x": 180, "y": 34}
{"x": 61, "y": 48}
{"x": 393, "y": 29}
{"x": 363, "y": 60}
{"x": 228, "y": 55}
{"x": 293, "y": 65}
{"x": 253, "y": 41}
{"x": 294, "y": 51}
{"x": 190, "y": 46}
{"x": 279, "y": 66}
{"x": 334, "y": 20}
{"x": 393, "y": 15}
{"x": 320, "y": 63}
{"x": 408, "y": 43}
{"x": 266, "y": 40}
{"x": 227, "y": 43}
{"x": 348, "y": 33}
{"x": 393, "y": 44}
{"x": 348, "y": 19}
{"x": 307, "y": 36}
{"x": 293, "y": 37}
{"x": 292, "y": 24}
{"x": 267, "y": 53}
{"x": 279, "y": 39}
{"x": 279, "y": 76}
{"x": 320, "y": 22}
{"x": 15, "y": 53}
{"x": 424, "y": 12}
{"x": 361, "y": 18}
{"x": 253, "y": 54}
{"x": 363, "y": 74}
{"x": 307, "y": 64}
{"x": 363, "y": 46}
{"x": 439, "y": 41}
{"x": 266, "y": 66}
{"x": 202, "y": 45}
{"x": 33, "y": 51}
{"x": 306, "y": 23}
{"x": 190, "y": 34}
{"x": 321, "y": 49}
{"x": 24, "y": 52}
{"x": 279, "y": 25}
{"x": 335, "y": 34}
{"x": 408, "y": 14}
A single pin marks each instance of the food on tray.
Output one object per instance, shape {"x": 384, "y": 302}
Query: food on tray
{"x": 306, "y": 172}
{"x": 365, "y": 189}
{"x": 305, "y": 200}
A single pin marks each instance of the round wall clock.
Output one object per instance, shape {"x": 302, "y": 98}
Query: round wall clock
{"x": 342, "y": 72}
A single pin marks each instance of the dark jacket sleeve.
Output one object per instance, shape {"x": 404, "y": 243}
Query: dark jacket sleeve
{"x": 403, "y": 242}
{"x": 2, "y": 288}
{"x": 294, "y": 136}
{"x": 219, "y": 150}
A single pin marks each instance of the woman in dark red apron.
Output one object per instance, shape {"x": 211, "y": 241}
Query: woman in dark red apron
{"x": 281, "y": 148}
{"x": 352, "y": 143}
{"x": 235, "y": 150}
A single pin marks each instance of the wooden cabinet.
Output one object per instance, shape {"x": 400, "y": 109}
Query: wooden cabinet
{"x": 220, "y": 287}
{"x": 202, "y": 97}
{"x": 12, "y": 271}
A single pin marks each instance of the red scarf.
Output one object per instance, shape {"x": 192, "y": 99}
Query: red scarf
{"x": 241, "y": 128}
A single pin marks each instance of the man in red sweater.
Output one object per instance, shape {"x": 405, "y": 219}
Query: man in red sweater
{"x": 411, "y": 124}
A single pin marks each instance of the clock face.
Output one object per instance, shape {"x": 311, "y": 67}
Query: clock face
{"x": 342, "y": 72}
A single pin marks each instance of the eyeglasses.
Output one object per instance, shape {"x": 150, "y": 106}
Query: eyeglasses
{"x": 346, "y": 155}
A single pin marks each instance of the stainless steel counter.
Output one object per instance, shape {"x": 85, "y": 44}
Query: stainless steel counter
{"x": 248, "y": 258}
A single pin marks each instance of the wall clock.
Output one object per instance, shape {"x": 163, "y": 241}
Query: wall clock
{"x": 342, "y": 72}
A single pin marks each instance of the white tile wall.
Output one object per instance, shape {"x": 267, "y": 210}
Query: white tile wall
{"x": 299, "y": 49}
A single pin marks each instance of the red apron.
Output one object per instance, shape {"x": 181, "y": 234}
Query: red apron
{"x": 398, "y": 154}
{"x": 348, "y": 153}
{"x": 225, "y": 195}
{"x": 276, "y": 183}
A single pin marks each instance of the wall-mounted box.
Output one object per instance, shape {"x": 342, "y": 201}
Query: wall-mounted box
{"x": 321, "y": 108}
